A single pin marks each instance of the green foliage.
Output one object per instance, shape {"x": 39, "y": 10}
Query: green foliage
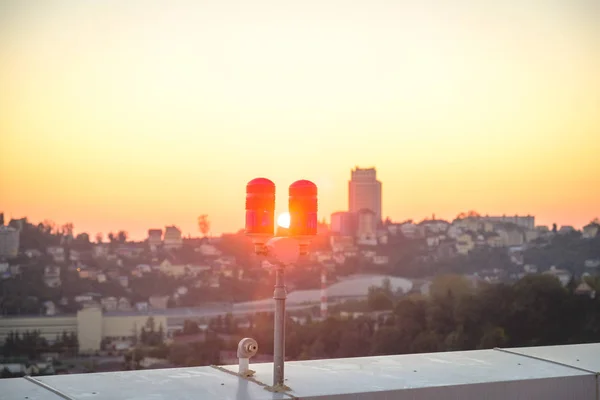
{"x": 149, "y": 336}
{"x": 196, "y": 354}
{"x": 537, "y": 310}
{"x": 381, "y": 298}
{"x": 455, "y": 284}
{"x": 31, "y": 344}
{"x": 190, "y": 327}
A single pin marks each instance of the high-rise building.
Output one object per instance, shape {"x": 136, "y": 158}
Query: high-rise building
{"x": 343, "y": 223}
{"x": 154, "y": 238}
{"x": 9, "y": 242}
{"x": 364, "y": 191}
{"x": 172, "y": 238}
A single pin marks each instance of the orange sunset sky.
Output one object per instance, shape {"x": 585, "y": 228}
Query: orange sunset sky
{"x": 138, "y": 114}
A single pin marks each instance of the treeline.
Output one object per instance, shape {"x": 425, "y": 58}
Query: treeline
{"x": 535, "y": 311}
{"x": 32, "y": 345}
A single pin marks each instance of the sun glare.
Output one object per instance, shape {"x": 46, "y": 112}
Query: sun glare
{"x": 284, "y": 220}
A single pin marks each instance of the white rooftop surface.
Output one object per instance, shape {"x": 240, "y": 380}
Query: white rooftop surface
{"x": 159, "y": 384}
{"x": 584, "y": 356}
{"x": 483, "y": 374}
{"x": 488, "y": 374}
{"x": 20, "y": 388}
{"x": 355, "y": 286}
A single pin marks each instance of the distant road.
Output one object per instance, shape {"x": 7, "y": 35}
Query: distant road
{"x": 176, "y": 316}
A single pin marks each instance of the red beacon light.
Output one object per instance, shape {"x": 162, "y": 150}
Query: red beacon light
{"x": 303, "y": 206}
{"x": 260, "y": 211}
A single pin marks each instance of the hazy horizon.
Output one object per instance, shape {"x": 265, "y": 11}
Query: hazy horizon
{"x": 143, "y": 114}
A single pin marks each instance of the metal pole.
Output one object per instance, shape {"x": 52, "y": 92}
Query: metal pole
{"x": 279, "y": 338}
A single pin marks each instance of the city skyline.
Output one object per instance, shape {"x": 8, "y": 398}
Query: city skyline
{"x": 282, "y": 220}
{"x": 149, "y": 114}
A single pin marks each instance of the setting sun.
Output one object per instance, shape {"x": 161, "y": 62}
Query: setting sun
{"x": 284, "y": 220}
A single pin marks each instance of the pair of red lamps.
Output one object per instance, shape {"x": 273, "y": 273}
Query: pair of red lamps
{"x": 260, "y": 212}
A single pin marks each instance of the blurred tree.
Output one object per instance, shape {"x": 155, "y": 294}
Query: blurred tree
{"x": 204, "y": 224}
{"x": 493, "y": 337}
{"x": 190, "y": 327}
{"x": 122, "y": 237}
{"x": 456, "y": 284}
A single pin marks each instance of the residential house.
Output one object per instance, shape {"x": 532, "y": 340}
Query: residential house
{"x": 228, "y": 272}
{"x": 380, "y": 260}
{"x": 209, "y": 250}
{"x": 530, "y": 269}
{"x": 465, "y": 243}
{"x": 321, "y": 256}
{"x": 445, "y": 249}
{"x": 57, "y": 253}
{"x": 382, "y": 238}
{"x": 225, "y": 261}
{"x": 368, "y": 254}
{"x": 592, "y": 263}
{"x": 480, "y": 239}
{"x": 454, "y": 231}
{"x": 495, "y": 240}
{"x": 90, "y": 273}
{"x": 16, "y": 369}
{"x": 168, "y": 268}
{"x": 158, "y": 302}
{"x": 434, "y": 226}
{"x": 565, "y": 229}
{"x": 584, "y": 289}
{"x": 113, "y": 274}
{"x": 109, "y": 303}
{"x": 50, "y": 308}
{"x": 33, "y": 253}
{"x": 144, "y": 268}
{"x": 542, "y": 229}
{"x": 432, "y": 241}
{"x": 563, "y": 276}
{"x": 100, "y": 250}
{"x": 86, "y": 297}
{"x": 74, "y": 255}
{"x": 197, "y": 270}
{"x": 517, "y": 257}
{"x": 411, "y": 231}
{"x": 488, "y": 226}
{"x": 101, "y": 277}
{"x": 123, "y": 280}
{"x": 129, "y": 251}
{"x": 231, "y": 272}
{"x": 136, "y": 273}
{"x": 141, "y": 306}
{"x": 172, "y": 238}
{"x": 339, "y": 258}
{"x": 214, "y": 282}
{"x": 473, "y": 224}
{"x": 52, "y": 276}
{"x": 511, "y": 236}
{"x": 124, "y": 304}
{"x": 531, "y": 235}
{"x": 590, "y": 231}
{"x": 393, "y": 229}
{"x": 341, "y": 243}
{"x": 352, "y": 252}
